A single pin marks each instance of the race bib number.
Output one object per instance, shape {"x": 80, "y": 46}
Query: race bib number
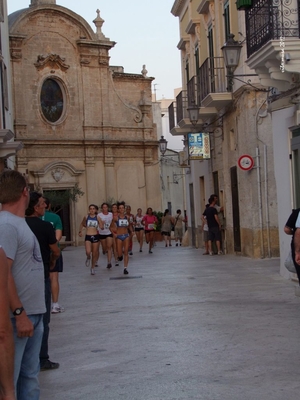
{"x": 92, "y": 224}
{"x": 106, "y": 225}
{"x": 150, "y": 226}
{"x": 123, "y": 222}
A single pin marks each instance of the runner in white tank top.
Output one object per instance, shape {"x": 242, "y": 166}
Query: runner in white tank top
{"x": 106, "y": 236}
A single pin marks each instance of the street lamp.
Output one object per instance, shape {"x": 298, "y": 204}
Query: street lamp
{"x": 193, "y": 111}
{"x": 163, "y": 145}
{"x": 231, "y": 53}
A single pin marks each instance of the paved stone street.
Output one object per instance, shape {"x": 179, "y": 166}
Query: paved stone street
{"x": 181, "y": 326}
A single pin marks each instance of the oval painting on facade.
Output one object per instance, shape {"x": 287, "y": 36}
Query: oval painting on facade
{"x": 52, "y": 101}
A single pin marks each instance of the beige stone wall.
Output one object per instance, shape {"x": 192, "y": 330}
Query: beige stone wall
{"x": 245, "y": 132}
{"x": 106, "y": 141}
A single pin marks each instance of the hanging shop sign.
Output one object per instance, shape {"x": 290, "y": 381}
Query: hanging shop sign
{"x": 246, "y": 162}
{"x": 199, "y": 146}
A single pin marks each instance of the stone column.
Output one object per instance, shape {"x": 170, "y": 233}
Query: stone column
{"x": 153, "y": 195}
{"x": 110, "y": 177}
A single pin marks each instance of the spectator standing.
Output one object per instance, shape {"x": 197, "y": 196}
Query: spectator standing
{"x": 214, "y": 226}
{"x": 55, "y": 221}
{"x": 205, "y": 232}
{"x": 291, "y": 228}
{"x": 7, "y": 391}
{"x": 26, "y": 283}
{"x": 178, "y": 229}
{"x": 50, "y": 252}
{"x": 166, "y": 227}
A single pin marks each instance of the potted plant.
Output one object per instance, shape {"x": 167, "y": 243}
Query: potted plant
{"x": 243, "y": 4}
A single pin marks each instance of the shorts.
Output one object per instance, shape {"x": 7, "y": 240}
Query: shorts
{"x": 178, "y": 233}
{"x": 58, "y": 265}
{"x": 164, "y": 233}
{"x": 103, "y": 237}
{"x": 138, "y": 229}
{"x": 205, "y": 236}
{"x": 149, "y": 230}
{"x": 123, "y": 236}
{"x": 214, "y": 234}
{"x": 92, "y": 238}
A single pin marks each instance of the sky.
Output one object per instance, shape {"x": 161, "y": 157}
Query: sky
{"x": 145, "y": 31}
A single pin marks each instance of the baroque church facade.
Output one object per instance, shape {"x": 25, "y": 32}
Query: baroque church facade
{"x": 82, "y": 122}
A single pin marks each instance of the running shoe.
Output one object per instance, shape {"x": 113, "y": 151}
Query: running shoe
{"x": 150, "y": 251}
{"x": 92, "y": 271}
{"x": 220, "y": 252}
{"x": 130, "y": 253}
{"x": 57, "y": 309}
{"x": 141, "y": 250}
{"x": 116, "y": 264}
{"x": 108, "y": 266}
{"x": 125, "y": 271}
{"x": 88, "y": 262}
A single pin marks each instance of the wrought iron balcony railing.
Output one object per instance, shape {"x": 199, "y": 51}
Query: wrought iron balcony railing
{"x": 212, "y": 77}
{"x": 181, "y": 106}
{"x": 269, "y": 20}
{"x": 171, "y": 112}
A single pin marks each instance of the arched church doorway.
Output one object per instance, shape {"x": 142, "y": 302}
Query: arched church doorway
{"x": 60, "y": 205}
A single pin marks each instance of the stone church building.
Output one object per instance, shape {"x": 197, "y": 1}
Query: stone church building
{"x": 81, "y": 120}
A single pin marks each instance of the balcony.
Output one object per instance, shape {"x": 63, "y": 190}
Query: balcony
{"x": 213, "y": 84}
{"x": 207, "y": 90}
{"x": 272, "y": 37}
{"x": 182, "y": 125}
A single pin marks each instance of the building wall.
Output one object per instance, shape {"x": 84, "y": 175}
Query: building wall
{"x": 239, "y": 126}
{"x": 7, "y": 149}
{"x": 282, "y": 120}
{"x": 105, "y": 141}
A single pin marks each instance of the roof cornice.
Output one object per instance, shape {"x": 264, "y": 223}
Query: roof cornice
{"x": 178, "y": 7}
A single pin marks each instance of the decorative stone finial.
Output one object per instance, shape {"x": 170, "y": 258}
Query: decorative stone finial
{"x": 40, "y": 2}
{"x": 144, "y": 71}
{"x": 98, "y": 21}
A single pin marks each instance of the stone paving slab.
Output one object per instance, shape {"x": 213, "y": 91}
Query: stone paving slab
{"x": 189, "y": 327}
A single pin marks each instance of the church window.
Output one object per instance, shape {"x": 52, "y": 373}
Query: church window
{"x": 52, "y": 100}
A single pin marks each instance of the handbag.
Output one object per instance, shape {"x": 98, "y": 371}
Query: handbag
{"x": 289, "y": 263}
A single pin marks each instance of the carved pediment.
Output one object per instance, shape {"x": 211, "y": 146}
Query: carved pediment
{"x": 53, "y": 61}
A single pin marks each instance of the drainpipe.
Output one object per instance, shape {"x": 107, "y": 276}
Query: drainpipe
{"x": 266, "y": 200}
{"x": 259, "y": 203}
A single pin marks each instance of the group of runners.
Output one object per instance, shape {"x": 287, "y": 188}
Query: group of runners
{"x": 114, "y": 230}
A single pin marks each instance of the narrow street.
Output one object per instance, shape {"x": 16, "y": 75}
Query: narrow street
{"x": 180, "y": 326}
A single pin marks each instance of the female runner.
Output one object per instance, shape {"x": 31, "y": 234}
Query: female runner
{"x": 91, "y": 223}
{"x": 149, "y": 221}
{"x": 121, "y": 226}
{"x": 130, "y": 218}
{"x": 105, "y": 235}
{"x": 139, "y": 228}
{"x": 114, "y": 211}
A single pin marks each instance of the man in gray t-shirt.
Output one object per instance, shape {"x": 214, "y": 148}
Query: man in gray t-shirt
{"x": 26, "y": 283}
